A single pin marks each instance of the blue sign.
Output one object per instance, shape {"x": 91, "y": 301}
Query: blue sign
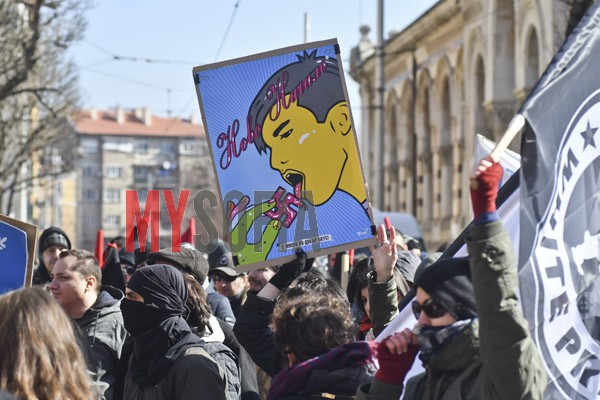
{"x": 13, "y": 257}
{"x": 285, "y": 154}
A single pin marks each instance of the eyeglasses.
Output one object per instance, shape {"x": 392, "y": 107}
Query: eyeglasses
{"x": 226, "y": 278}
{"x": 431, "y": 307}
{"x": 128, "y": 270}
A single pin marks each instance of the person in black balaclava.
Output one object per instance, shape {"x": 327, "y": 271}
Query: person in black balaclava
{"x": 167, "y": 360}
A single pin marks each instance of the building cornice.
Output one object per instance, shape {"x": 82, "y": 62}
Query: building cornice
{"x": 408, "y": 39}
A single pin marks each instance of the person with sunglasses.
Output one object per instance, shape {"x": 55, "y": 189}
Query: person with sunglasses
{"x": 473, "y": 339}
{"x": 231, "y": 284}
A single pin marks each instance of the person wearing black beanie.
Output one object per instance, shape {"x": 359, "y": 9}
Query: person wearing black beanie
{"x": 52, "y": 241}
{"x": 470, "y": 333}
{"x": 448, "y": 281}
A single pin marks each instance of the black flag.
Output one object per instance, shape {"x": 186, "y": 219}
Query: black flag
{"x": 560, "y": 214}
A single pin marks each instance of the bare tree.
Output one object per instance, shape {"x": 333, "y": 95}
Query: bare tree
{"x": 38, "y": 88}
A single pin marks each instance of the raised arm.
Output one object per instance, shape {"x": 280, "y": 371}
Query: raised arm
{"x": 508, "y": 353}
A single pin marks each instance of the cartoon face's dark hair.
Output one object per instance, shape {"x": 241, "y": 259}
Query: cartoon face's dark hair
{"x": 313, "y": 81}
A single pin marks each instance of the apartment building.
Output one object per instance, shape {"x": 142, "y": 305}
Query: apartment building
{"x": 122, "y": 150}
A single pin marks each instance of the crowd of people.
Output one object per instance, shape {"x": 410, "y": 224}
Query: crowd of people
{"x": 187, "y": 325}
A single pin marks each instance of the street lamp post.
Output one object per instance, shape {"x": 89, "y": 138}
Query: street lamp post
{"x": 414, "y": 132}
{"x": 380, "y": 107}
{"x": 380, "y": 103}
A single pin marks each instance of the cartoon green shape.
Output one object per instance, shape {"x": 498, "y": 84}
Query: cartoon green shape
{"x": 255, "y": 252}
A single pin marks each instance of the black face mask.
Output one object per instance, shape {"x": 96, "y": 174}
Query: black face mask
{"x": 140, "y": 318}
{"x": 157, "y": 325}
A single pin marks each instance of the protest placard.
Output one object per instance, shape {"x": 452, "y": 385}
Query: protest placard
{"x": 285, "y": 154}
{"x": 17, "y": 253}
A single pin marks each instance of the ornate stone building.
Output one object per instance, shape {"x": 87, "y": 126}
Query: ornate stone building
{"x": 463, "y": 67}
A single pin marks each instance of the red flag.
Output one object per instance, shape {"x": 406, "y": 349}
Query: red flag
{"x": 188, "y": 235}
{"x": 99, "y": 249}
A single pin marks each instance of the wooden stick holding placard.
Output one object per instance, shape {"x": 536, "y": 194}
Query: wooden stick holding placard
{"x": 514, "y": 127}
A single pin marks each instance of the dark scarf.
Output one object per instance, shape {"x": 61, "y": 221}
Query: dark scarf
{"x": 433, "y": 339}
{"x": 294, "y": 379}
{"x": 160, "y": 333}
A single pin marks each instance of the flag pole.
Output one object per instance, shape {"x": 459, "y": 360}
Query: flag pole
{"x": 516, "y": 124}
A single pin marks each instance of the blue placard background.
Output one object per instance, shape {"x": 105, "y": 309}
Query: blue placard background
{"x": 226, "y": 93}
{"x": 13, "y": 257}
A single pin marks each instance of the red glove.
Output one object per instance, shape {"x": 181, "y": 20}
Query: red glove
{"x": 484, "y": 190}
{"x": 393, "y": 367}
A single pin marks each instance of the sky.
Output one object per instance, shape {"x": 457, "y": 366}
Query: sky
{"x": 177, "y": 35}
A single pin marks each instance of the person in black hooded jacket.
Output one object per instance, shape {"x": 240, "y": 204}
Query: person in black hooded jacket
{"x": 168, "y": 360}
{"x": 52, "y": 241}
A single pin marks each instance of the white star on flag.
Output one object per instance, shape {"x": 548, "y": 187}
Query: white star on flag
{"x": 2, "y": 243}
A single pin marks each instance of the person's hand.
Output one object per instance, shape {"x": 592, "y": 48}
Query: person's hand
{"x": 396, "y": 355}
{"x": 291, "y": 270}
{"x": 254, "y": 252}
{"x": 485, "y": 180}
{"x": 385, "y": 254}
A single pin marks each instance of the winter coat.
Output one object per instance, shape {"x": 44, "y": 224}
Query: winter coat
{"x": 248, "y": 375}
{"x": 383, "y": 297}
{"x": 224, "y": 356}
{"x": 41, "y": 276}
{"x": 333, "y": 375}
{"x": 103, "y": 333}
{"x": 253, "y": 332}
{"x": 494, "y": 359}
{"x": 194, "y": 375}
{"x": 228, "y": 362}
{"x": 221, "y": 308}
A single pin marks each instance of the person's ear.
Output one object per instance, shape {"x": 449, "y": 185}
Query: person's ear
{"x": 90, "y": 282}
{"x": 339, "y": 119}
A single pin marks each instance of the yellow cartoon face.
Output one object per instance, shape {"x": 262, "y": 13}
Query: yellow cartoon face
{"x": 304, "y": 150}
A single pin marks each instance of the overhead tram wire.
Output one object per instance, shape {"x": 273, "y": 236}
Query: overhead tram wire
{"x": 148, "y": 60}
{"x": 235, "y": 8}
{"x": 126, "y": 79}
{"x": 115, "y": 57}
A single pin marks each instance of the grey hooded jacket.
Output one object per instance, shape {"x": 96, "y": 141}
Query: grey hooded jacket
{"x": 103, "y": 333}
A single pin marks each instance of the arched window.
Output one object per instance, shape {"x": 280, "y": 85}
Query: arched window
{"x": 532, "y": 66}
{"x": 480, "y": 125}
{"x": 425, "y": 183}
{"x": 446, "y": 153}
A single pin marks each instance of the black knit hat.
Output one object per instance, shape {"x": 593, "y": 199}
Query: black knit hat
{"x": 220, "y": 256}
{"x": 52, "y": 236}
{"x": 127, "y": 258}
{"x": 407, "y": 264}
{"x": 448, "y": 281}
{"x": 187, "y": 260}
